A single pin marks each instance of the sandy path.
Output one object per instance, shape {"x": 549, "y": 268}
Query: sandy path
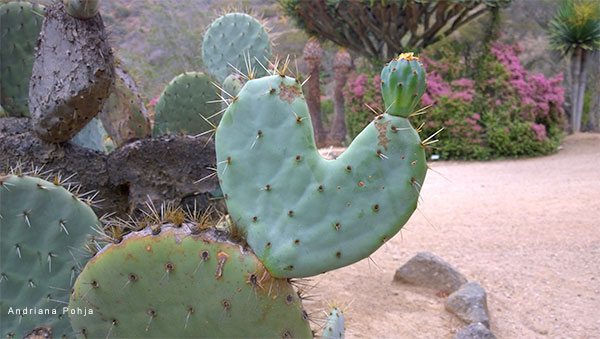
{"x": 527, "y": 230}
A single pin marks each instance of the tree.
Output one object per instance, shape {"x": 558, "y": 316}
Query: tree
{"x": 384, "y": 28}
{"x": 575, "y": 32}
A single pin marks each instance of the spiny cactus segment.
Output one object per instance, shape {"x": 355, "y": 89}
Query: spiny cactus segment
{"x": 43, "y": 229}
{"x": 20, "y": 25}
{"x": 188, "y": 105}
{"x": 181, "y": 281}
{"x": 304, "y": 215}
{"x": 235, "y": 41}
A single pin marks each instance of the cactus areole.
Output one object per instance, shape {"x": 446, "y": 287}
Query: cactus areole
{"x": 304, "y": 215}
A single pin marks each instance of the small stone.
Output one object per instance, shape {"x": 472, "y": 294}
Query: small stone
{"x": 428, "y": 270}
{"x": 475, "y": 331}
{"x": 469, "y": 303}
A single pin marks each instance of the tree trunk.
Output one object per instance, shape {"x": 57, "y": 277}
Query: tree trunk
{"x": 341, "y": 66}
{"x": 581, "y": 88}
{"x": 312, "y": 55}
{"x": 575, "y": 74}
{"x": 593, "y": 124}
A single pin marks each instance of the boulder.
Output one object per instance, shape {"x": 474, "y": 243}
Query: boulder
{"x": 469, "y": 303}
{"x": 428, "y": 270}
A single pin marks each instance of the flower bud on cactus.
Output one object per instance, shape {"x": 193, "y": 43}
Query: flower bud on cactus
{"x": 403, "y": 84}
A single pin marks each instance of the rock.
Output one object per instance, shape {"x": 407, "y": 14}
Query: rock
{"x": 428, "y": 270}
{"x": 469, "y": 303}
{"x": 475, "y": 331}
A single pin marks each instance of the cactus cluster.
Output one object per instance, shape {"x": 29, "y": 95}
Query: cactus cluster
{"x": 43, "y": 229}
{"x": 293, "y": 214}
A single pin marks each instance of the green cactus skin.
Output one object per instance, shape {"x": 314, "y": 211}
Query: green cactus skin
{"x": 334, "y": 328}
{"x": 20, "y": 25}
{"x": 185, "y": 105}
{"x": 403, "y": 84}
{"x": 124, "y": 114}
{"x": 43, "y": 229}
{"x": 232, "y": 85}
{"x": 304, "y": 215}
{"x": 81, "y": 9}
{"x": 232, "y": 38}
{"x": 92, "y": 136}
{"x": 177, "y": 285}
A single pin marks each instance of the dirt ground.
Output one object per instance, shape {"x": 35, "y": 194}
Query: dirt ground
{"x": 527, "y": 230}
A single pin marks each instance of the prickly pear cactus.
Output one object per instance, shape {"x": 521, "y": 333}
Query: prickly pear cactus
{"x": 180, "y": 284}
{"x": 81, "y": 9}
{"x": 186, "y": 105}
{"x": 43, "y": 228}
{"x": 92, "y": 136}
{"x": 20, "y": 25}
{"x": 72, "y": 74}
{"x": 124, "y": 114}
{"x": 233, "y": 40}
{"x": 334, "y": 328}
{"x": 304, "y": 215}
{"x": 403, "y": 84}
{"x": 232, "y": 86}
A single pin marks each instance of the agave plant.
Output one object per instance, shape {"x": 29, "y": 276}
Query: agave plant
{"x": 575, "y": 31}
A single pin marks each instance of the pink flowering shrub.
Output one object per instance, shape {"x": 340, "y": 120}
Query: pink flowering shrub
{"x": 498, "y": 110}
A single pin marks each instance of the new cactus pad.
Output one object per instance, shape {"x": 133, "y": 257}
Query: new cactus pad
{"x": 182, "y": 283}
{"x": 20, "y": 25}
{"x": 81, "y": 9}
{"x": 403, "y": 84}
{"x": 43, "y": 229}
{"x": 334, "y": 327}
{"x": 304, "y": 215}
{"x": 185, "y": 105}
{"x": 233, "y": 40}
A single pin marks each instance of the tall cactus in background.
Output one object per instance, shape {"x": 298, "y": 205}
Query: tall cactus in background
{"x": 313, "y": 53}
{"x": 43, "y": 230}
{"x": 20, "y": 25}
{"x": 304, "y": 215}
{"x": 341, "y": 66}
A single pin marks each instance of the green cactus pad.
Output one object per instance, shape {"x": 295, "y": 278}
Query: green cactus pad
{"x": 92, "y": 136}
{"x": 178, "y": 284}
{"x": 43, "y": 229}
{"x": 232, "y": 39}
{"x": 124, "y": 114}
{"x": 185, "y": 105}
{"x": 81, "y": 9}
{"x": 304, "y": 215}
{"x": 232, "y": 85}
{"x": 403, "y": 84}
{"x": 334, "y": 328}
{"x": 20, "y": 25}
